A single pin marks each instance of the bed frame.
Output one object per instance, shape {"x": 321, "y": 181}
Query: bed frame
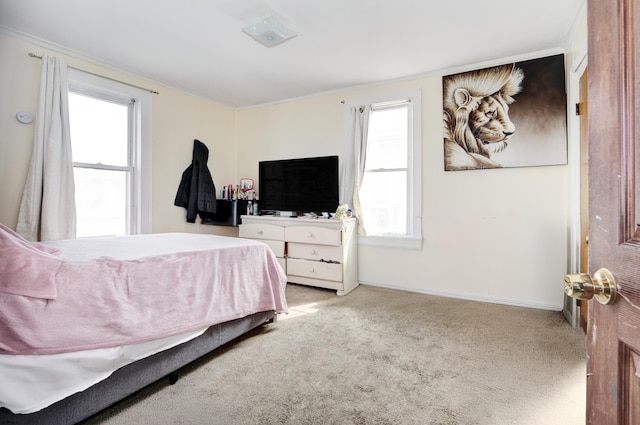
{"x": 135, "y": 376}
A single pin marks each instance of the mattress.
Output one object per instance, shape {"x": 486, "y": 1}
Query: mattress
{"x": 31, "y": 383}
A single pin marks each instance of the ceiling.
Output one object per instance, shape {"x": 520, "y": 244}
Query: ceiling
{"x": 197, "y": 46}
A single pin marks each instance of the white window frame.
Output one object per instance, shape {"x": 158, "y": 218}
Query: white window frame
{"x": 413, "y": 238}
{"x": 139, "y": 212}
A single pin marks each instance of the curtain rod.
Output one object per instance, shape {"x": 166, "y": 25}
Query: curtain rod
{"x": 33, "y": 55}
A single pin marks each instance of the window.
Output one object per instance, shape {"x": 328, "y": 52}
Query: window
{"x": 101, "y": 147}
{"x": 108, "y": 146}
{"x": 383, "y": 192}
{"x": 390, "y": 190}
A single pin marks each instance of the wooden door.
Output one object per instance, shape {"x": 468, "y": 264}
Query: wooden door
{"x": 613, "y": 332}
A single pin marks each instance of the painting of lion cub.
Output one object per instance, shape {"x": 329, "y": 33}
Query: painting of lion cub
{"x": 478, "y": 123}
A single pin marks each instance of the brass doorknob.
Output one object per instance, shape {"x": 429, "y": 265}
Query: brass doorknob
{"x": 603, "y": 286}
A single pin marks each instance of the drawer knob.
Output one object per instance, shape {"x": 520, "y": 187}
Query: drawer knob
{"x": 311, "y": 235}
{"x": 260, "y": 232}
{"x": 314, "y": 252}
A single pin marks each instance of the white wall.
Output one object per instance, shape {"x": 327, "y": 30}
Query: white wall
{"x": 178, "y": 118}
{"x": 506, "y": 235}
{"x": 494, "y": 235}
{"x": 19, "y": 81}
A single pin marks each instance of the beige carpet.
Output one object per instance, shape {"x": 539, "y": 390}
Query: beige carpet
{"x": 379, "y": 356}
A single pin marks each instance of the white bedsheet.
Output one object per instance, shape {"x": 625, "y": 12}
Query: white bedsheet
{"x": 32, "y": 382}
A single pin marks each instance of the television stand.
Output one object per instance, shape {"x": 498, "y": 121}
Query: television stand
{"x": 314, "y": 252}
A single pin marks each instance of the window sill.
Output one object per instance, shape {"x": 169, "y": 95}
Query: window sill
{"x": 405, "y": 242}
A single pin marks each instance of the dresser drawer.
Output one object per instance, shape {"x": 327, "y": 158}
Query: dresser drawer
{"x": 314, "y": 252}
{"x": 261, "y": 231}
{"x": 276, "y": 246}
{"x": 313, "y": 235}
{"x": 283, "y": 264}
{"x": 314, "y": 269}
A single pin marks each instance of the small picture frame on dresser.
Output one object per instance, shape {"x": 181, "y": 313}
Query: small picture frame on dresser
{"x": 246, "y": 184}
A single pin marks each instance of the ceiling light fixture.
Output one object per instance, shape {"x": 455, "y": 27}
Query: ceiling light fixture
{"x": 269, "y": 32}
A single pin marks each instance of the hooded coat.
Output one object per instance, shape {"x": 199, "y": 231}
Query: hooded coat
{"x": 197, "y": 192}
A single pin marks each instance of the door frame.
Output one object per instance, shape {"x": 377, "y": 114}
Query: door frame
{"x": 584, "y": 190}
{"x": 576, "y": 66}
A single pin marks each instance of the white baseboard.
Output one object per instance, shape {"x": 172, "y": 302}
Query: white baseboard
{"x": 501, "y": 301}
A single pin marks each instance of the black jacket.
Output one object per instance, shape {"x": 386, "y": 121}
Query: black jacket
{"x": 196, "y": 192}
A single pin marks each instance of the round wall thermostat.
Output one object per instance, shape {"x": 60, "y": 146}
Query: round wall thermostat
{"x": 24, "y": 117}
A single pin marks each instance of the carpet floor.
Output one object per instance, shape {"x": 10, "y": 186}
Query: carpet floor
{"x": 380, "y": 356}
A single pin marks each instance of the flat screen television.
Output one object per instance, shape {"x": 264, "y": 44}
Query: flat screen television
{"x": 301, "y": 185}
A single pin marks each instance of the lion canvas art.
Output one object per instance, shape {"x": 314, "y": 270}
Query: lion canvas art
{"x": 512, "y": 115}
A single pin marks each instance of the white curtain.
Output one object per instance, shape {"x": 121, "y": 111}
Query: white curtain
{"x": 354, "y": 160}
{"x": 47, "y": 209}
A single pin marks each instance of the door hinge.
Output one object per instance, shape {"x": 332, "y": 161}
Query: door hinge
{"x": 577, "y": 109}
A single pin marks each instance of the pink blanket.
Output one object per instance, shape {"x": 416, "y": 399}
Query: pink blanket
{"x": 51, "y": 304}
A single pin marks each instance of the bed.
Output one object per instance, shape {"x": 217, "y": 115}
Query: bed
{"x": 85, "y": 323}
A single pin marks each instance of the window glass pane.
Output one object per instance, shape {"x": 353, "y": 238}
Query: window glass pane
{"x": 98, "y": 130}
{"x": 387, "y": 140}
{"x": 101, "y": 202}
{"x": 383, "y": 196}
